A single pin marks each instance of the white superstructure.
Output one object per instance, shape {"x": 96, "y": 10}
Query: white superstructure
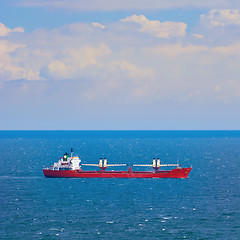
{"x": 67, "y": 163}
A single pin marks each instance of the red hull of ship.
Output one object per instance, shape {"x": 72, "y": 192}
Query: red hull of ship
{"x": 174, "y": 173}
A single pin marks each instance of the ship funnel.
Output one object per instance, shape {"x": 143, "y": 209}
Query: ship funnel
{"x": 154, "y": 163}
{"x": 158, "y": 163}
{"x": 65, "y": 157}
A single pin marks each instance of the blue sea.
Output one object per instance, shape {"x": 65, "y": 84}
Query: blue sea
{"x": 204, "y": 206}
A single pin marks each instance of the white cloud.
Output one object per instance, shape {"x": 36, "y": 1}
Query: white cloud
{"x": 176, "y": 50}
{"x": 9, "y": 66}
{"x": 156, "y": 28}
{"x": 123, "y": 81}
{"x": 73, "y": 61}
{"x": 198, "y": 73}
{"x": 222, "y": 17}
{"x": 198, "y": 36}
{"x": 179, "y": 50}
{"x": 58, "y": 54}
{"x": 58, "y": 69}
{"x": 138, "y": 81}
{"x": 231, "y": 50}
{"x": 98, "y": 25}
{"x": 133, "y": 71}
{"x": 4, "y": 31}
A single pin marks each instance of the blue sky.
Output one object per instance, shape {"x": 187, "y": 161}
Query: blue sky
{"x": 119, "y": 65}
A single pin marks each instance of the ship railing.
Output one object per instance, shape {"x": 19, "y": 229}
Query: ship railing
{"x": 51, "y": 168}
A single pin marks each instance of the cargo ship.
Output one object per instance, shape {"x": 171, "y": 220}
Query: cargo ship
{"x": 71, "y": 167}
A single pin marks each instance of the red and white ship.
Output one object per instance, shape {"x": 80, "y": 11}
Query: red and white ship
{"x": 71, "y": 167}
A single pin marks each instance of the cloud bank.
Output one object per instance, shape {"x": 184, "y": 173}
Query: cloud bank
{"x": 156, "y": 28}
{"x": 222, "y": 18}
{"x": 133, "y": 59}
{"x": 4, "y": 31}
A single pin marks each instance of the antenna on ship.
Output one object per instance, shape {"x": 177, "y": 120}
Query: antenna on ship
{"x": 71, "y": 152}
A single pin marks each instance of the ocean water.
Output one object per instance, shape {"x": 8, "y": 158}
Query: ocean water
{"x": 204, "y": 206}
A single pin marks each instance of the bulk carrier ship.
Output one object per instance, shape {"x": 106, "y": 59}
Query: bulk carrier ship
{"x": 71, "y": 167}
